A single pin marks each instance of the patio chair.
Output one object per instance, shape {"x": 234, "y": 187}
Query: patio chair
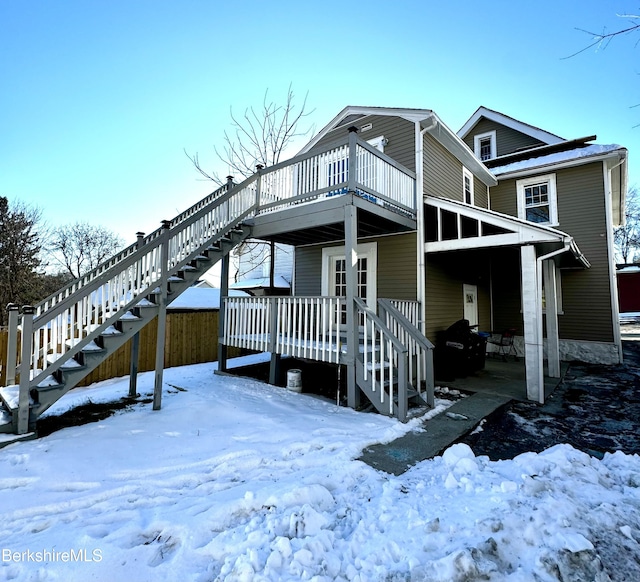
{"x": 504, "y": 343}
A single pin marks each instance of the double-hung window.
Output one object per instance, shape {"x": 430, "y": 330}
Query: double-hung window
{"x": 537, "y": 199}
{"x": 467, "y": 186}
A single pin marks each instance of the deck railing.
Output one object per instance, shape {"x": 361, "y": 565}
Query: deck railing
{"x": 326, "y": 172}
{"x": 302, "y": 327}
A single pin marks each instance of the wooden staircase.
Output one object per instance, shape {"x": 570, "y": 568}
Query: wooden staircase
{"x": 76, "y": 329}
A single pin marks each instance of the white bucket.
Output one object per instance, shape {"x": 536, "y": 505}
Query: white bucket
{"x": 294, "y": 380}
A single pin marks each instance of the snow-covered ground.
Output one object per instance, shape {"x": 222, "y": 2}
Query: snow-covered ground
{"x": 237, "y": 480}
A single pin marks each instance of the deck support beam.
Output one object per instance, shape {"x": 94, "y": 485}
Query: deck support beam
{"x": 224, "y": 292}
{"x": 532, "y": 317}
{"x": 351, "y": 256}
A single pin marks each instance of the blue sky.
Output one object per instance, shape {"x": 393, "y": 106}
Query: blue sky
{"x": 99, "y": 99}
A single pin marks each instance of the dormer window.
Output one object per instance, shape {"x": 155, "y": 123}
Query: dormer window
{"x": 485, "y": 145}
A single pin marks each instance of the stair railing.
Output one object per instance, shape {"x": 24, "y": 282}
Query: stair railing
{"x": 68, "y": 324}
{"x": 384, "y": 363}
{"x": 122, "y": 255}
{"x": 398, "y": 316}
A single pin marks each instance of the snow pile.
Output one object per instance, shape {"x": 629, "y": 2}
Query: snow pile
{"x": 236, "y": 480}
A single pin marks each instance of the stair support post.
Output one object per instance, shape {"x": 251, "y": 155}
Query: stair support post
{"x": 274, "y": 365}
{"x": 25, "y": 369}
{"x": 135, "y": 344}
{"x": 12, "y": 344}
{"x": 133, "y": 367}
{"x": 162, "y": 316}
{"x": 224, "y": 291}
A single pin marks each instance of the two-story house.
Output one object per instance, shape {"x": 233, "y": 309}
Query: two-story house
{"x": 400, "y": 227}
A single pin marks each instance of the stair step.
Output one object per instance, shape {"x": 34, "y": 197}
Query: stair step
{"x": 111, "y": 331}
{"x": 91, "y": 347}
{"x": 49, "y": 383}
{"x": 9, "y": 395}
{"x": 146, "y": 303}
{"x": 128, "y": 316}
{"x": 70, "y": 364}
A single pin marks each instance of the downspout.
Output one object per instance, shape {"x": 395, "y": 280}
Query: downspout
{"x": 613, "y": 281}
{"x": 421, "y": 290}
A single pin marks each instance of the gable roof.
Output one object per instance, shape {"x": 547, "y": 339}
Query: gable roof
{"x": 490, "y": 114}
{"x": 429, "y": 122}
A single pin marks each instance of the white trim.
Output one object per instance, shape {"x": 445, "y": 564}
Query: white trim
{"x": 367, "y": 250}
{"x": 502, "y": 119}
{"x": 613, "y": 282}
{"x": 477, "y": 145}
{"x": 378, "y": 143}
{"x": 466, "y": 174}
{"x": 552, "y": 197}
{"x": 421, "y": 257}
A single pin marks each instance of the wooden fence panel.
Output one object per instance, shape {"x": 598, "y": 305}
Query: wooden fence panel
{"x": 191, "y": 338}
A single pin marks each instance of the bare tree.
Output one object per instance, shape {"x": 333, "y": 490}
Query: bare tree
{"x": 80, "y": 247}
{"x": 627, "y": 236}
{"x": 600, "y": 40}
{"x": 258, "y": 137}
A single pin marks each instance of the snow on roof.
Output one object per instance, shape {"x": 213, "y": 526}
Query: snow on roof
{"x": 279, "y": 282}
{"x": 556, "y": 158}
{"x": 197, "y": 298}
{"x": 630, "y": 269}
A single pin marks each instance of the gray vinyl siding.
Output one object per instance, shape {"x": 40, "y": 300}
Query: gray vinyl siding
{"x": 481, "y": 198}
{"x": 586, "y": 293}
{"x": 398, "y": 131}
{"x": 507, "y": 140}
{"x": 504, "y": 198}
{"x": 446, "y": 275}
{"x": 396, "y": 268}
{"x": 442, "y": 171}
{"x": 443, "y": 175}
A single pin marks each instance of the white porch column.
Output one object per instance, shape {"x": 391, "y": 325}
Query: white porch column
{"x": 551, "y": 298}
{"x": 532, "y": 316}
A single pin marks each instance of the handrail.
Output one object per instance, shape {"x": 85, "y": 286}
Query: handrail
{"x": 120, "y": 256}
{"x": 382, "y": 355}
{"x": 420, "y": 348}
{"x": 68, "y": 325}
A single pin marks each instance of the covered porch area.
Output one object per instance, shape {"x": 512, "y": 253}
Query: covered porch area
{"x": 515, "y": 264}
